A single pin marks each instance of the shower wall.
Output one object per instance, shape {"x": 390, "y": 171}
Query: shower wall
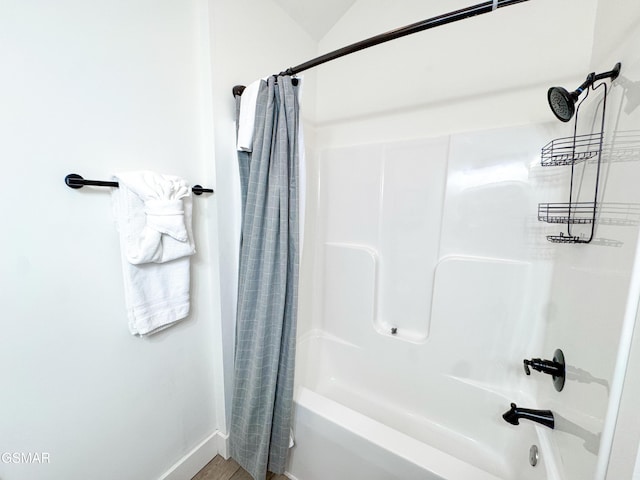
{"x": 433, "y": 95}
{"x": 399, "y": 215}
{"x": 617, "y": 35}
{"x": 434, "y": 163}
{"x": 378, "y": 217}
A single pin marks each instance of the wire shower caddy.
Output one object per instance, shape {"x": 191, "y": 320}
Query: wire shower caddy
{"x": 571, "y": 151}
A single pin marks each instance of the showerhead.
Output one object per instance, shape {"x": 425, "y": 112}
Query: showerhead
{"x": 563, "y": 103}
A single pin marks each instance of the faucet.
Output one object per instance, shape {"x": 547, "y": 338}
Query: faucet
{"x": 543, "y": 417}
{"x": 549, "y": 367}
{"x": 555, "y": 368}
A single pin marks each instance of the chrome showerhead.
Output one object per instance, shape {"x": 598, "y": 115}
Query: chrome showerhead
{"x": 563, "y": 102}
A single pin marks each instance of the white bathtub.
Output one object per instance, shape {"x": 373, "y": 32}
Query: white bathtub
{"x": 418, "y": 302}
{"x": 374, "y": 404}
{"x": 345, "y": 431}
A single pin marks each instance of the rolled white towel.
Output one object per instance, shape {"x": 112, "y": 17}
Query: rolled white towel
{"x": 153, "y": 215}
{"x": 157, "y": 210}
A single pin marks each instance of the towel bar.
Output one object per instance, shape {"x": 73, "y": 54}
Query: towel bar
{"x": 73, "y": 180}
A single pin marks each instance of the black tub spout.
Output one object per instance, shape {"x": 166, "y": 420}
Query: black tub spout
{"x": 543, "y": 417}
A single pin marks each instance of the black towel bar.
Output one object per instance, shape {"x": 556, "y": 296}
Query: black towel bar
{"x": 73, "y": 180}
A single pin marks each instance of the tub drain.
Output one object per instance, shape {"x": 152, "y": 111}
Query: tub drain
{"x": 533, "y": 455}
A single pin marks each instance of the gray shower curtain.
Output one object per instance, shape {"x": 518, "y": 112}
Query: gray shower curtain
{"x": 268, "y": 284}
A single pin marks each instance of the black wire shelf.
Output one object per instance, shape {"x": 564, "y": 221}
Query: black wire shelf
{"x": 562, "y": 238}
{"x": 571, "y": 150}
{"x": 581, "y": 213}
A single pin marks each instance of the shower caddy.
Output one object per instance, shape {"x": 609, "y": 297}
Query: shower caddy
{"x": 570, "y": 151}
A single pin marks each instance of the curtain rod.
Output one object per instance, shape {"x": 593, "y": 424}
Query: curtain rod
{"x": 450, "y": 17}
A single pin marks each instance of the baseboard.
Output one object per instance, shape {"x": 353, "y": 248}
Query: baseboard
{"x": 188, "y": 466}
{"x": 288, "y": 475}
{"x": 222, "y": 444}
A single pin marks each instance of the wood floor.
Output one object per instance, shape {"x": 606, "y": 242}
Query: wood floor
{"x": 221, "y": 469}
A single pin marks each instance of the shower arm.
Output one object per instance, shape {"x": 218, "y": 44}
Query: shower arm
{"x": 472, "y": 11}
{"x": 593, "y": 78}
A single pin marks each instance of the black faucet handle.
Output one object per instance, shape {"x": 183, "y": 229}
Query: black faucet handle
{"x": 545, "y": 366}
{"x": 555, "y": 368}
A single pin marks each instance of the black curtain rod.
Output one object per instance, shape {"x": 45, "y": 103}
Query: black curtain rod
{"x": 74, "y": 180}
{"x": 450, "y": 17}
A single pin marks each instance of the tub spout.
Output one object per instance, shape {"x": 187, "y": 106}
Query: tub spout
{"x": 543, "y": 417}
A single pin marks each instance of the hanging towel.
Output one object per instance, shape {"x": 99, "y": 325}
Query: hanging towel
{"x": 153, "y": 216}
{"x": 247, "y": 116}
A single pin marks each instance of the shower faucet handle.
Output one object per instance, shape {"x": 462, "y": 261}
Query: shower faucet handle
{"x": 545, "y": 366}
{"x": 555, "y": 368}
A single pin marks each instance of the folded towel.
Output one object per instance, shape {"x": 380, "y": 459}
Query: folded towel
{"x": 153, "y": 216}
{"x": 247, "y": 117}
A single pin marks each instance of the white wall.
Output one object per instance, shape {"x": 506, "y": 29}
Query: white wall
{"x": 97, "y": 87}
{"x": 251, "y": 39}
{"x": 485, "y": 72}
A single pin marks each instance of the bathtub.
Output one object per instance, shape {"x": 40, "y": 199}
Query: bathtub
{"x": 344, "y": 431}
{"x": 424, "y": 401}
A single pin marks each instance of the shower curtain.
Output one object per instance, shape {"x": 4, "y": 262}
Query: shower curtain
{"x": 268, "y": 284}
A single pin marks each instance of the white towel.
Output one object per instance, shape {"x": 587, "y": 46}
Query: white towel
{"x": 153, "y": 216}
{"x": 247, "y": 116}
